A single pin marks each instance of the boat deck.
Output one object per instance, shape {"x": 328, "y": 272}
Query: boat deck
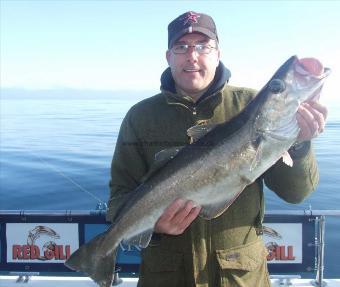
{"x": 50, "y": 281}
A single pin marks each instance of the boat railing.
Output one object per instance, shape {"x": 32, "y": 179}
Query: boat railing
{"x": 66, "y": 230}
{"x": 320, "y": 221}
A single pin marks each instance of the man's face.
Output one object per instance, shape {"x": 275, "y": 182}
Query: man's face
{"x": 193, "y": 72}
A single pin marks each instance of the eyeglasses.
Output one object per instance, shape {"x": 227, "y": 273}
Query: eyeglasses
{"x": 199, "y": 48}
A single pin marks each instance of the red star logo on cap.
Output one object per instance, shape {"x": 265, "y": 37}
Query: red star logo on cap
{"x": 191, "y": 17}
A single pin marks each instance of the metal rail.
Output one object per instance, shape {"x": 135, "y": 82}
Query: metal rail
{"x": 50, "y": 212}
{"x": 306, "y": 212}
{"x": 321, "y": 246}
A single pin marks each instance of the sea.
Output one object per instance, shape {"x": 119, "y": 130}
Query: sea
{"x": 56, "y": 151}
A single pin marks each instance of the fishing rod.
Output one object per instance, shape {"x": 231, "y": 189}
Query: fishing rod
{"x": 100, "y": 204}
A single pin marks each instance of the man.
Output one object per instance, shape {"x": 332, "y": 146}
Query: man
{"x": 187, "y": 250}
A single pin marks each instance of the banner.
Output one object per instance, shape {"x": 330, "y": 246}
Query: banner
{"x": 283, "y": 242}
{"x": 41, "y": 242}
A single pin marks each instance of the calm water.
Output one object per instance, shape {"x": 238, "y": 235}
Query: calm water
{"x": 56, "y": 154}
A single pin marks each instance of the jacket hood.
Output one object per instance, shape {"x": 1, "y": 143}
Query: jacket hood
{"x": 222, "y": 76}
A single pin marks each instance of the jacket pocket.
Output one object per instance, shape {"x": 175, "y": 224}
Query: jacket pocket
{"x": 244, "y": 266}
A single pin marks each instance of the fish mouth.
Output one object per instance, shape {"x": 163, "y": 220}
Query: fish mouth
{"x": 310, "y": 68}
{"x": 309, "y": 75}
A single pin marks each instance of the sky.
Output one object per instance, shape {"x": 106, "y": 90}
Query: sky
{"x": 120, "y": 45}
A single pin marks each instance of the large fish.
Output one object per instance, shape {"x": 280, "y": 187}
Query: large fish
{"x": 214, "y": 169}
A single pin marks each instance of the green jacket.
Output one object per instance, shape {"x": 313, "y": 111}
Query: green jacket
{"x": 228, "y": 250}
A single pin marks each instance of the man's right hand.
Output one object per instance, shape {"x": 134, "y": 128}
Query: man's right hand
{"x": 177, "y": 217}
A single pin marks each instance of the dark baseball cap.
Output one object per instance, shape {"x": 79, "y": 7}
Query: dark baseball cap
{"x": 191, "y": 22}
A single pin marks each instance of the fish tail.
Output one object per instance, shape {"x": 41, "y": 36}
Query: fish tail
{"x": 90, "y": 259}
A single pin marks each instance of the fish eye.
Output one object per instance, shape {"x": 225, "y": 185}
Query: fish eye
{"x": 276, "y": 86}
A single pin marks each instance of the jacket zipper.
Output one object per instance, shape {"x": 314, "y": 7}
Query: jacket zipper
{"x": 193, "y": 110}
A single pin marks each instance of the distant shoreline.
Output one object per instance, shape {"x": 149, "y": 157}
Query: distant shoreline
{"x": 121, "y": 95}
{"x": 73, "y": 94}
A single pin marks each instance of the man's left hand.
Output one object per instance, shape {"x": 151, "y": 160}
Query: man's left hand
{"x": 311, "y": 118}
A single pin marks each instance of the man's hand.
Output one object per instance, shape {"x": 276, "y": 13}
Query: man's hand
{"x": 311, "y": 118}
{"x": 177, "y": 217}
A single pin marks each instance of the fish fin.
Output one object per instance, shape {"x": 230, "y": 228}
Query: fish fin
{"x": 287, "y": 159}
{"x": 199, "y": 131}
{"x": 90, "y": 260}
{"x": 166, "y": 154}
{"x": 256, "y": 145}
{"x": 214, "y": 210}
{"x": 141, "y": 240}
{"x": 160, "y": 160}
{"x": 257, "y": 158}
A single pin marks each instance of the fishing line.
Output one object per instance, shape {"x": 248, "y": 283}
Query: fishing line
{"x": 72, "y": 181}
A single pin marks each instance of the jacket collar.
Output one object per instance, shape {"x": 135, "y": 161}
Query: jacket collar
{"x": 207, "y": 102}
